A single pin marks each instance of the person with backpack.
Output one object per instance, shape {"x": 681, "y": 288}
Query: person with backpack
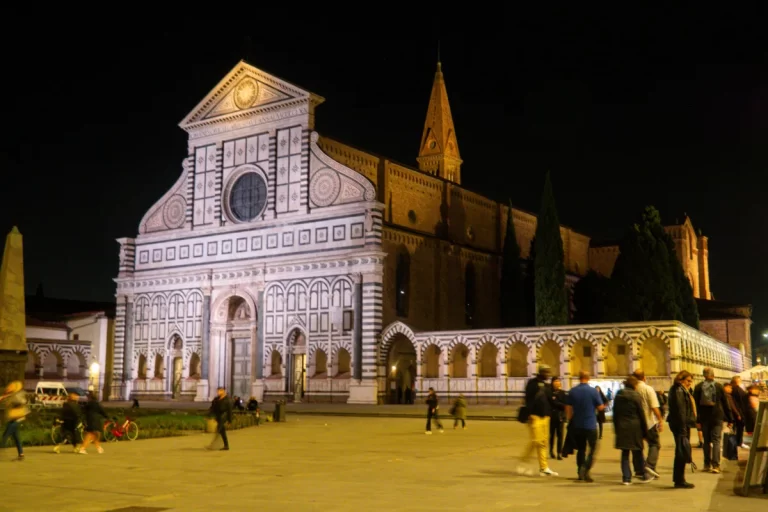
{"x": 711, "y": 409}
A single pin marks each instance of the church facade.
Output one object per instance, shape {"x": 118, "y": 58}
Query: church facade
{"x": 275, "y": 263}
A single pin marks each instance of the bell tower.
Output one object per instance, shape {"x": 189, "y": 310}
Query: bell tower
{"x": 439, "y": 151}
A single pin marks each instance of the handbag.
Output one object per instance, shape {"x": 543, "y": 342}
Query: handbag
{"x": 523, "y": 414}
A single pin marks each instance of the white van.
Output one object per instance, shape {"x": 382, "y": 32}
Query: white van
{"x": 50, "y": 394}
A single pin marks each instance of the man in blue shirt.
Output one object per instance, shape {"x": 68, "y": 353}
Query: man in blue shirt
{"x": 583, "y": 403}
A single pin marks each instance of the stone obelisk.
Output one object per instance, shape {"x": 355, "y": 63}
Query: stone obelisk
{"x": 13, "y": 339}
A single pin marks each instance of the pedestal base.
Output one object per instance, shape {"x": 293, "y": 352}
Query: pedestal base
{"x": 363, "y": 392}
{"x": 257, "y": 390}
{"x": 127, "y": 389}
{"x": 202, "y": 391}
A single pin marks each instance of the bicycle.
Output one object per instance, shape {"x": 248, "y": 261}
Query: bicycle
{"x": 57, "y": 436}
{"x": 114, "y": 430}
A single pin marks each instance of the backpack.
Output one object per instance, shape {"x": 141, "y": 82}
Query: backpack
{"x": 708, "y": 393}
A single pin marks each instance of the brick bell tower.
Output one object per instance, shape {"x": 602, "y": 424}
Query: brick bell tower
{"x": 439, "y": 151}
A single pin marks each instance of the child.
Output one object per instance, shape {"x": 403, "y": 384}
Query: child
{"x": 459, "y": 412}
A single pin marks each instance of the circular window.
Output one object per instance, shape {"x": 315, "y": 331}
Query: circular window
{"x": 248, "y": 197}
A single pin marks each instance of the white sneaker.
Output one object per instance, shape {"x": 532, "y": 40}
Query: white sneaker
{"x": 547, "y": 472}
{"x": 100, "y": 449}
{"x": 428, "y": 432}
{"x": 745, "y": 446}
{"x": 442, "y": 431}
{"x": 56, "y": 449}
{"x": 81, "y": 451}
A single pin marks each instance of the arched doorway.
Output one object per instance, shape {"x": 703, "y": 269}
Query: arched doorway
{"x": 296, "y": 370}
{"x": 232, "y": 346}
{"x": 549, "y": 354}
{"x": 654, "y": 358}
{"x": 617, "y": 358}
{"x": 401, "y": 373}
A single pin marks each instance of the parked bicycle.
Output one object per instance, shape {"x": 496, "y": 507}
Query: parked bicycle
{"x": 113, "y": 430}
{"x": 57, "y": 436}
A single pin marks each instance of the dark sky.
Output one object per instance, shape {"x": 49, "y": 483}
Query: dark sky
{"x": 625, "y": 109}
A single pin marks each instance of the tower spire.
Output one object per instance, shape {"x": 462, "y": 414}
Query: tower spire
{"x": 439, "y": 150}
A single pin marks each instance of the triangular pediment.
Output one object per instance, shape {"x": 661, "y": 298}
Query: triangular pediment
{"x": 247, "y": 89}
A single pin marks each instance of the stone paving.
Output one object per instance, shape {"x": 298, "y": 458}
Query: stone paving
{"x": 314, "y": 463}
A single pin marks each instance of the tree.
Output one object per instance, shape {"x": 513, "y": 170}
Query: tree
{"x": 549, "y": 269}
{"x": 683, "y": 289}
{"x": 644, "y": 283}
{"x": 512, "y": 293}
{"x": 592, "y": 299}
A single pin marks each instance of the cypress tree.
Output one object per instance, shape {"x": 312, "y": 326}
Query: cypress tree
{"x": 512, "y": 292}
{"x": 549, "y": 269}
{"x": 592, "y": 299}
{"x": 643, "y": 279}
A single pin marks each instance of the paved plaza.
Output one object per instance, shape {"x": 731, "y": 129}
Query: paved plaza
{"x": 314, "y": 463}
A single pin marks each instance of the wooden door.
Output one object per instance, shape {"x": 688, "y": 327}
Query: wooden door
{"x": 241, "y": 368}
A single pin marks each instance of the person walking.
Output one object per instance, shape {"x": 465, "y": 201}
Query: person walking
{"x": 459, "y": 412}
{"x": 432, "y": 412}
{"x": 583, "y": 403}
{"x": 681, "y": 418}
{"x": 741, "y": 402}
{"x": 601, "y": 412}
{"x": 94, "y": 412}
{"x": 15, "y": 411}
{"x": 712, "y": 408}
{"x": 654, "y": 422}
{"x": 539, "y": 410}
{"x": 70, "y": 419}
{"x": 630, "y": 428}
{"x": 221, "y": 408}
{"x": 557, "y": 402}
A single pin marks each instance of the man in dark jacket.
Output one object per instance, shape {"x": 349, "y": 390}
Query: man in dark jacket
{"x": 222, "y": 411}
{"x": 741, "y": 402}
{"x": 537, "y": 394}
{"x": 557, "y": 401}
{"x": 681, "y": 418}
{"x": 70, "y": 419}
{"x": 711, "y": 410}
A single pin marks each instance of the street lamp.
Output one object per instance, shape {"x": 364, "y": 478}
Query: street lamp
{"x": 95, "y": 377}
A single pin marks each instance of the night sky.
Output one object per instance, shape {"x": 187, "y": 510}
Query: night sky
{"x": 625, "y": 109}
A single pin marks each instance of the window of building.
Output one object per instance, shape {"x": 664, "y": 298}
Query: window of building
{"x": 402, "y": 282}
{"x": 75, "y": 337}
{"x": 248, "y": 197}
{"x": 469, "y": 295}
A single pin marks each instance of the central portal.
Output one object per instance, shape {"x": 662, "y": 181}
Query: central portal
{"x": 241, "y": 367}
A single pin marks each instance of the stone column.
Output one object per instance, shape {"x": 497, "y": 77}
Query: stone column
{"x": 206, "y": 336}
{"x": 357, "y": 349}
{"x": 365, "y": 389}
{"x": 128, "y": 349}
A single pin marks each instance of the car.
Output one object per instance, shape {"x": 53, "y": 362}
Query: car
{"x": 82, "y": 394}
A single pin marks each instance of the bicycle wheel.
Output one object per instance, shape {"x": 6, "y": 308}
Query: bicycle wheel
{"x": 56, "y": 435}
{"x": 132, "y": 431}
{"x": 108, "y": 435}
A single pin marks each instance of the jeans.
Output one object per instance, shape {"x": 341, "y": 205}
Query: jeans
{"x": 678, "y": 472}
{"x": 739, "y": 426}
{"x": 712, "y": 434}
{"x": 555, "y": 431}
{"x": 221, "y": 430}
{"x": 654, "y": 446}
{"x": 12, "y": 430}
{"x": 585, "y": 439}
{"x": 637, "y": 462}
{"x": 432, "y": 415}
{"x": 539, "y": 431}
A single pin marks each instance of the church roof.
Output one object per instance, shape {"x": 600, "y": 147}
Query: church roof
{"x": 245, "y": 91}
{"x": 438, "y": 127}
{"x": 720, "y": 310}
